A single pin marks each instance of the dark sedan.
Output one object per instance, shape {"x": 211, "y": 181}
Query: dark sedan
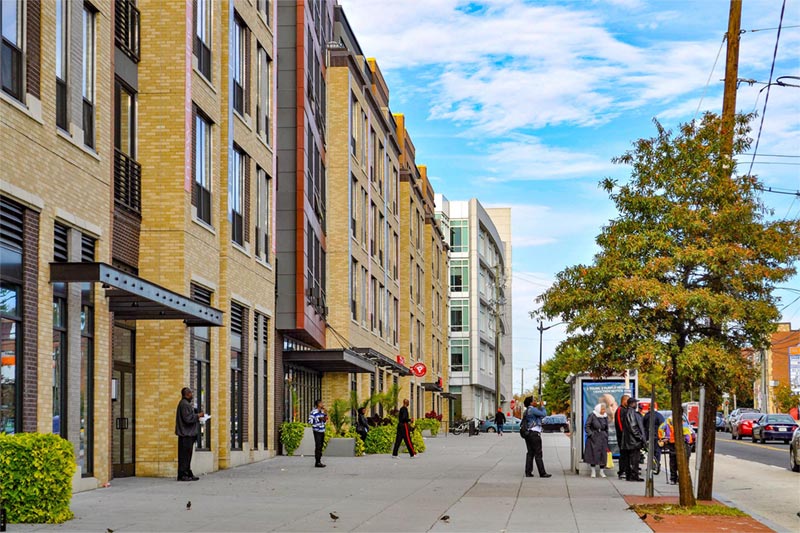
{"x": 555, "y": 424}
{"x": 774, "y": 427}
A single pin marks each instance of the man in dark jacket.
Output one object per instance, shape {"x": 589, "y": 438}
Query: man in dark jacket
{"x": 403, "y": 431}
{"x": 499, "y": 420}
{"x": 619, "y": 416}
{"x": 187, "y": 425}
{"x": 632, "y": 439}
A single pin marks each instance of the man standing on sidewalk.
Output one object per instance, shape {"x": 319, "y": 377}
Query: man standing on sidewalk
{"x": 317, "y": 419}
{"x": 403, "y": 431}
{"x": 619, "y": 416}
{"x": 499, "y": 420}
{"x": 187, "y": 424}
{"x": 533, "y": 438}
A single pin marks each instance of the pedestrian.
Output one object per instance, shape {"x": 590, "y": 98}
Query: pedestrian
{"x": 652, "y": 413}
{"x": 619, "y": 416}
{"x": 317, "y": 419}
{"x": 632, "y": 439}
{"x": 187, "y": 425}
{"x": 362, "y": 425}
{"x": 403, "y": 431}
{"x": 532, "y": 418}
{"x": 499, "y": 420}
{"x": 666, "y": 439}
{"x": 596, "y": 430}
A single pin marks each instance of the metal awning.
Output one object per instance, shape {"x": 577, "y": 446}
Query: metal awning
{"x": 383, "y": 361}
{"x": 433, "y": 387}
{"x": 340, "y": 360}
{"x": 133, "y": 298}
{"x": 450, "y": 396}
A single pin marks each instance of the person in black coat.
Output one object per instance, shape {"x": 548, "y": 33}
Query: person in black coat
{"x": 403, "y": 431}
{"x": 362, "y": 425}
{"x": 499, "y": 420}
{"x": 596, "y": 430}
{"x": 187, "y": 425}
{"x": 619, "y": 428}
{"x": 632, "y": 439}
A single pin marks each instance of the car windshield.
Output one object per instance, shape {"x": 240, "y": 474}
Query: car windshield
{"x": 782, "y": 419}
{"x": 751, "y": 416}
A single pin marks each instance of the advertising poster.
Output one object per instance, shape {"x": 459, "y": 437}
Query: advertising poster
{"x": 794, "y": 368}
{"x": 609, "y": 393}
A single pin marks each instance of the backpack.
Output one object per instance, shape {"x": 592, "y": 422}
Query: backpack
{"x": 523, "y": 425}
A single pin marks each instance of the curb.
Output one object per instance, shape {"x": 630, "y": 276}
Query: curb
{"x": 767, "y": 522}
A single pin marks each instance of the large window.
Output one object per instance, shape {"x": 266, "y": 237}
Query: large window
{"x": 202, "y": 168}
{"x": 239, "y": 64}
{"x": 11, "y": 323}
{"x": 127, "y": 171}
{"x": 265, "y": 339}
{"x": 11, "y": 53}
{"x": 459, "y": 275}
{"x": 86, "y": 447}
{"x": 263, "y": 105}
{"x": 459, "y": 315}
{"x": 263, "y": 215}
{"x": 236, "y": 196}
{"x": 60, "y": 351}
{"x": 459, "y": 235}
{"x": 88, "y": 79}
{"x": 238, "y": 333}
{"x": 353, "y": 289}
{"x": 459, "y": 355}
{"x": 202, "y": 38}
{"x": 62, "y": 60}
{"x": 201, "y": 358}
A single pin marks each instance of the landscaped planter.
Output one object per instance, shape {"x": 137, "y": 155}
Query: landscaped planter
{"x": 307, "y": 444}
{"x": 341, "y": 447}
{"x": 426, "y": 433}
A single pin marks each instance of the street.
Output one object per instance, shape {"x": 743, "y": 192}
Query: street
{"x": 773, "y": 453}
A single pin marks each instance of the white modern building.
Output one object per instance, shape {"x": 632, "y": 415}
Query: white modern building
{"x": 480, "y": 305}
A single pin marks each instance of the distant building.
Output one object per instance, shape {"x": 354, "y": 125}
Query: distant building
{"x": 774, "y": 366}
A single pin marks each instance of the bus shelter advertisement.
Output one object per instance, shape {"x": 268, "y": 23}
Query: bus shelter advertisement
{"x": 608, "y": 393}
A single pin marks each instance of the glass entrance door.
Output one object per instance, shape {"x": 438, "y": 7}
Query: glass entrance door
{"x": 122, "y": 402}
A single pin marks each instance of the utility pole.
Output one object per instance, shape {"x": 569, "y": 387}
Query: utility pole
{"x": 731, "y": 77}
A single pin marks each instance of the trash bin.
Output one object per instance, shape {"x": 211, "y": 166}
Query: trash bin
{"x": 473, "y": 428}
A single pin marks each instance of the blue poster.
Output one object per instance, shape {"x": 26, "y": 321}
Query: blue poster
{"x": 609, "y": 393}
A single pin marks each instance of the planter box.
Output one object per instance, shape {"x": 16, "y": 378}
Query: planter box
{"x": 341, "y": 447}
{"x": 426, "y": 433}
{"x": 307, "y": 444}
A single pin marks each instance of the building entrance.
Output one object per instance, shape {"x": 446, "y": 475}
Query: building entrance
{"x": 123, "y": 402}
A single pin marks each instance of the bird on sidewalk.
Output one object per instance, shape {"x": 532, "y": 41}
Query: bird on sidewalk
{"x": 189, "y": 505}
{"x": 334, "y": 516}
{"x": 445, "y": 518}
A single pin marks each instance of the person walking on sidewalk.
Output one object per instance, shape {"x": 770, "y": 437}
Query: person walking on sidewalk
{"x": 619, "y": 428}
{"x": 596, "y": 430}
{"x": 633, "y": 439}
{"x": 499, "y": 420}
{"x": 362, "y": 425}
{"x": 532, "y": 418}
{"x": 317, "y": 419}
{"x": 403, "y": 431}
{"x": 187, "y": 425}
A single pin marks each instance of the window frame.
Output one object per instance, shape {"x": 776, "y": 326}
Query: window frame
{"x": 236, "y": 194}
{"x": 89, "y": 73}
{"x": 16, "y": 53}
{"x": 62, "y": 8}
{"x": 263, "y": 214}
{"x": 202, "y": 173}
{"x": 203, "y": 36}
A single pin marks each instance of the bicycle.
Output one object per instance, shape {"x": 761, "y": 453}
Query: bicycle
{"x": 460, "y": 427}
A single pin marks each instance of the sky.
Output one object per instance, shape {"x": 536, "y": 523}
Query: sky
{"x": 524, "y": 104}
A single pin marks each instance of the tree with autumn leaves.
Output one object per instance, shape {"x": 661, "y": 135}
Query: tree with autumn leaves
{"x": 685, "y": 274}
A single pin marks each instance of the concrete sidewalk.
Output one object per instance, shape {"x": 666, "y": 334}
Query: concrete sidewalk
{"x": 477, "y": 481}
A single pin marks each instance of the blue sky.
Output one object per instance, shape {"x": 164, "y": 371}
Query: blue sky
{"x": 523, "y": 104}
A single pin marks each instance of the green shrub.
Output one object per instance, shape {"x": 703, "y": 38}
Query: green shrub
{"x": 338, "y": 416}
{"x": 291, "y": 435}
{"x": 359, "y": 446}
{"x": 427, "y": 423}
{"x": 380, "y": 439}
{"x": 417, "y": 441}
{"x": 36, "y": 477}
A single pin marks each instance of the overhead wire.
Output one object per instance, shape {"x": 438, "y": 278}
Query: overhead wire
{"x": 708, "y": 81}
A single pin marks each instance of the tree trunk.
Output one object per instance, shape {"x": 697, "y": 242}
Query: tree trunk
{"x": 684, "y": 477}
{"x": 705, "y": 482}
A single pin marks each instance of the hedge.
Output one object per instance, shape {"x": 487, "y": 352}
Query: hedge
{"x": 291, "y": 436}
{"x": 428, "y": 423}
{"x": 380, "y": 439}
{"x": 36, "y": 472}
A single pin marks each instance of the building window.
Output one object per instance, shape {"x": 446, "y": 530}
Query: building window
{"x": 459, "y": 315}
{"x": 265, "y": 377}
{"x": 62, "y": 60}
{"x": 459, "y": 275}
{"x": 353, "y": 207}
{"x": 202, "y": 168}
{"x": 126, "y": 28}
{"x": 88, "y": 79}
{"x": 263, "y": 7}
{"x": 11, "y": 315}
{"x": 238, "y": 333}
{"x": 459, "y": 355}
{"x": 373, "y": 309}
{"x": 202, "y": 38}
{"x": 201, "y": 358}
{"x": 263, "y": 105}
{"x": 459, "y": 235}
{"x": 353, "y": 291}
{"x": 127, "y": 171}
{"x": 86, "y": 448}
{"x": 59, "y": 387}
{"x": 363, "y": 293}
{"x": 239, "y": 64}
{"x": 256, "y": 378}
{"x": 236, "y": 196}
{"x": 11, "y": 53}
{"x": 263, "y": 215}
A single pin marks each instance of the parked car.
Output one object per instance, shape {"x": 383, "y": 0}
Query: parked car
{"x": 794, "y": 451}
{"x": 773, "y": 426}
{"x": 744, "y": 425}
{"x": 555, "y": 423}
{"x": 720, "y": 422}
{"x": 512, "y": 424}
{"x": 733, "y": 417}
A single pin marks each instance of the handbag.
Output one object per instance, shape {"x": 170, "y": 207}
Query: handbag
{"x": 609, "y": 459}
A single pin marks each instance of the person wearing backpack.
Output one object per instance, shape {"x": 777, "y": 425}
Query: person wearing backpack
{"x": 531, "y": 431}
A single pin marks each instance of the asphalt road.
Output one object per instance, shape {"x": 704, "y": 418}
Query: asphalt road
{"x": 774, "y": 453}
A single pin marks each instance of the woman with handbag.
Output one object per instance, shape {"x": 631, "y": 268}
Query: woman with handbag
{"x": 596, "y": 430}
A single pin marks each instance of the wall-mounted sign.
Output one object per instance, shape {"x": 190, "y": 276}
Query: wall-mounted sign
{"x": 419, "y": 369}
{"x": 401, "y": 359}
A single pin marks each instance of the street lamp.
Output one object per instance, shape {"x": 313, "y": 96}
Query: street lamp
{"x": 541, "y": 329}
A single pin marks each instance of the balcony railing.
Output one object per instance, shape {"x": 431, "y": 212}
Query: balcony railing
{"x": 127, "y": 181}
{"x": 126, "y": 28}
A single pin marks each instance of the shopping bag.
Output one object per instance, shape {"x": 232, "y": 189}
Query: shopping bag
{"x": 609, "y": 460}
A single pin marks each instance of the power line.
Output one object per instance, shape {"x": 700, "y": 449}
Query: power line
{"x": 766, "y": 98}
{"x": 708, "y": 81}
{"x": 769, "y": 155}
{"x": 776, "y": 191}
{"x": 767, "y": 29}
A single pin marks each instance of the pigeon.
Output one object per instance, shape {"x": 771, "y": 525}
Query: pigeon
{"x": 189, "y": 505}
{"x": 445, "y": 518}
{"x": 109, "y": 530}
{"x": 644, "y": 516}
{"x": 334, "y": 516}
